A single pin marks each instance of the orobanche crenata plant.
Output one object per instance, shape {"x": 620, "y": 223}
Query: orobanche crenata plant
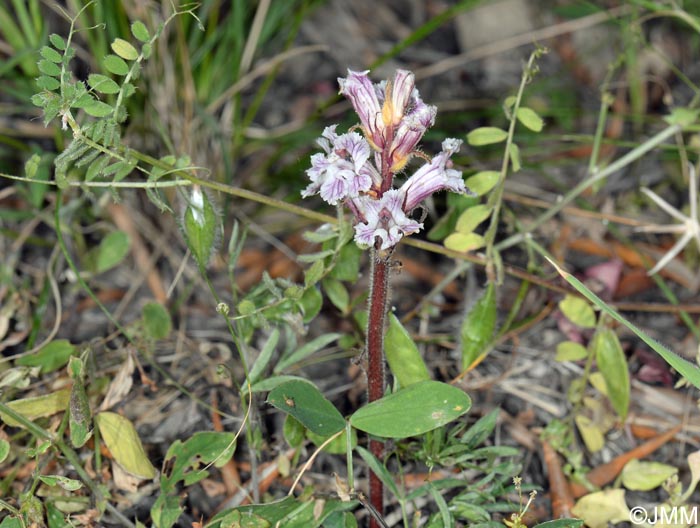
{"x": 358, "y": 170}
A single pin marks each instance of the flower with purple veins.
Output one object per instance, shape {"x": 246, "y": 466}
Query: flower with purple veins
{"x": 344, "y": 171}
{"x": 434, "y": 176}
{"x": 385, "y": 220}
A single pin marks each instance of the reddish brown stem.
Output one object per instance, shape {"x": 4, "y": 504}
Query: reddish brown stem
{"x": 375, "y": 371}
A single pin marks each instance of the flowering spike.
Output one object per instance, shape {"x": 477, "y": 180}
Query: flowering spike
{"x": 393, "y": 119}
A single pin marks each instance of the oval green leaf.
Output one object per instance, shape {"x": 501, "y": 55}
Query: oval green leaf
{"x": 412, "y": 411}
{"x": 113, "y": 248}
{"x": 156, "y": 320}
{"x": 472, "y": 217}
{"x": 49, "y": 68}
{"x": 51, "y": 54}
{"x": 57, "y": 41}
{"x": 305, "y": 402}
{"x": 124, "y": 49}
{"x": 571, "y": 351}
{"x": 52, "y": 356}
{"x": 403, "y": 356}
{"x": 612, "y": 363}
{"x": 139, "y": 31}
{"x": 482, "y": 182}
{"x": 115, "y": 65}
{"x": 464, "y": 242}
{"x": 102, "y": 83}
{"x": 47, "y": 83}
{"x": 486, "y": 136}
{"x": 4, "y": 449}
{"x": 122, "y": 440}
{"x": 646, "y": 475}
{"x": 578, "y": 311}
{"x": 530, "y": 119}
{"x": 97, "y": 109}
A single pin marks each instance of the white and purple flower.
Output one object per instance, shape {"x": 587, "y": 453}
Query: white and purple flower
{"x": 393, "y": 119}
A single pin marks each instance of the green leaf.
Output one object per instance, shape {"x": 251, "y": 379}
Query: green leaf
{"x": 123, "y": 442}
{"x": 305, "y": 351}
{"x": 294, "y": 432}
{"x": 112, "y": 250}
{"x": 38, "y": 406}
{"x": 530, "y": 119}
{"x": 314, "y": 273}
{"x": 612, "y": 363}
{"x": 182, "y": 463}
{"x": 80, "y": 418}
{"x": 645, "y": 476}
{"x": 4, "y": 449}
{"x": 264, "y": 357}
{"x": 472, "y": 217}
{"x": 683, "y": 117}
{"x": 305, "y": 402}
{"x": 478, "y": 327}
{"x": 49, "y": 68}
{"x": 51, "y": 54}
{"x": 578, "y": 311}
{"x": 32, "y": 166}
{"x": 97, "y": 109}
{"x": 347, "y": 265}
{"x": 380, "y": 470}
{"x": 464, "y": 242}
{"x": 514, "y": 155}
{"x": 412, "y": 411}
{"x": 200, "y": 227}
{"x": 403, "y": 356}
{"x": 52, "y": 356}
{"x": 311, "y": 303}
{"x": 156, "y": 320}
{"x": 590, "y": 432}
{"x": 124, "y": 49}
{"x": 66, "y": 483}
{"x": 482, "y": 182}
{"x": 486, "y": 136}
{"x": 139, "y": 31}
{"x": 337, "y": 446}
{"x": 47, "y": 83}
{"x": 571, "y": 351}
{"x": 337, "y": 293}
{"x": 115, "y": 65}
{"x": 687, "y": 369}
{"x": 481, "y": 430}
{"x": 102, "y": 83}
{"x": 57, "y": 41}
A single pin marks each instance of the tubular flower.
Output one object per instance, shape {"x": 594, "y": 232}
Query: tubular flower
{"x": 384, "y": 221}
{"x": 393, "y": 119}
{"x": 434, "y": 176}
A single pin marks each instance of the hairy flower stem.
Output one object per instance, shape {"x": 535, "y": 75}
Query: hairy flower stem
{"x": 378, "y": 299}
